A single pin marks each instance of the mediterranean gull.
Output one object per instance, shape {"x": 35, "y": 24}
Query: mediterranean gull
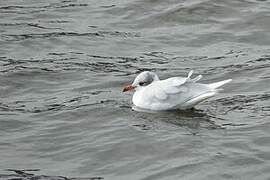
{"x": 151, "y": 93}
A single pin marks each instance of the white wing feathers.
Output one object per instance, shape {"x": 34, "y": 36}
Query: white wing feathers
{"x": 160, "y": 94}
{"x": 195, "y": 79}
{"x": 190, "y": 74}
{"x": 174, "y": 85}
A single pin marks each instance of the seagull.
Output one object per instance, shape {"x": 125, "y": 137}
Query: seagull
{"x": 151, "y": 93}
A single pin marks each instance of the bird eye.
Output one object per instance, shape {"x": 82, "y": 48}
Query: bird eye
{"x": 142, "y": 83}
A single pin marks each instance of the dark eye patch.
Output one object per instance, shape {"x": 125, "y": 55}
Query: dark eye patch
{"x": 142, "y": 83}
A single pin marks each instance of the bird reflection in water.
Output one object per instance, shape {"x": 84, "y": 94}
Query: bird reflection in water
{"x": 193, "y": 119}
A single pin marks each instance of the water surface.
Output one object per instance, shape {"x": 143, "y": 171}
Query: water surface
{"x": 63, "y": 65}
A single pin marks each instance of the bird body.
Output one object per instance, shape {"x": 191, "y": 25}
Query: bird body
{"x": 172, "y": 93}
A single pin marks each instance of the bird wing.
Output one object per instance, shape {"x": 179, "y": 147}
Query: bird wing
{"x": 162, "y": 90}
{"x": 176, "y": 92}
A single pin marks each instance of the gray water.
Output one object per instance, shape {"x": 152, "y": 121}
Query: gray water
{"x": 63, "y": 65}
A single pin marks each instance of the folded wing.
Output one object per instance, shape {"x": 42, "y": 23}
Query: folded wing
{"x": 173, "y": 86}
{"x": 183, "y": 93}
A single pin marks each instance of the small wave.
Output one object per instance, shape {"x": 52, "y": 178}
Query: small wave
{"x": 50, "y": 6}
{"x": 36, "y": 25}
{"x": 242, "y": 107}
{"x": 248, "y": 66}
{"x": 20, "y": 37}
{"x": 62, "y": 61}
{"x": 27, "y": 174}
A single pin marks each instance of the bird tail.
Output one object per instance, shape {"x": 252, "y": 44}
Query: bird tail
{"x": 218, "y": 84}
{"x": 211, "y": 90}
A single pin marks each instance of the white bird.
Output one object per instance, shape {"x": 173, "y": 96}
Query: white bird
{"x": 172, "y": 93}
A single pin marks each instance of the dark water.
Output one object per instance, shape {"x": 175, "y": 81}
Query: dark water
{"x": 63, "y": 65}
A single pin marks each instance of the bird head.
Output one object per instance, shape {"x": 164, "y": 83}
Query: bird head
{"x": 143, "y": 79}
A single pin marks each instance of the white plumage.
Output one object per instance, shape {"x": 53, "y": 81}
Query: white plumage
{"x": 172, "y": 93}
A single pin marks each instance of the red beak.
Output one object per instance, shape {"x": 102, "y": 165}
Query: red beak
{"x": 128, "y": 88}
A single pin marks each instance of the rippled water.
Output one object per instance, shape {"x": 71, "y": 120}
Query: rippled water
{"x": 63, "y": 65}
